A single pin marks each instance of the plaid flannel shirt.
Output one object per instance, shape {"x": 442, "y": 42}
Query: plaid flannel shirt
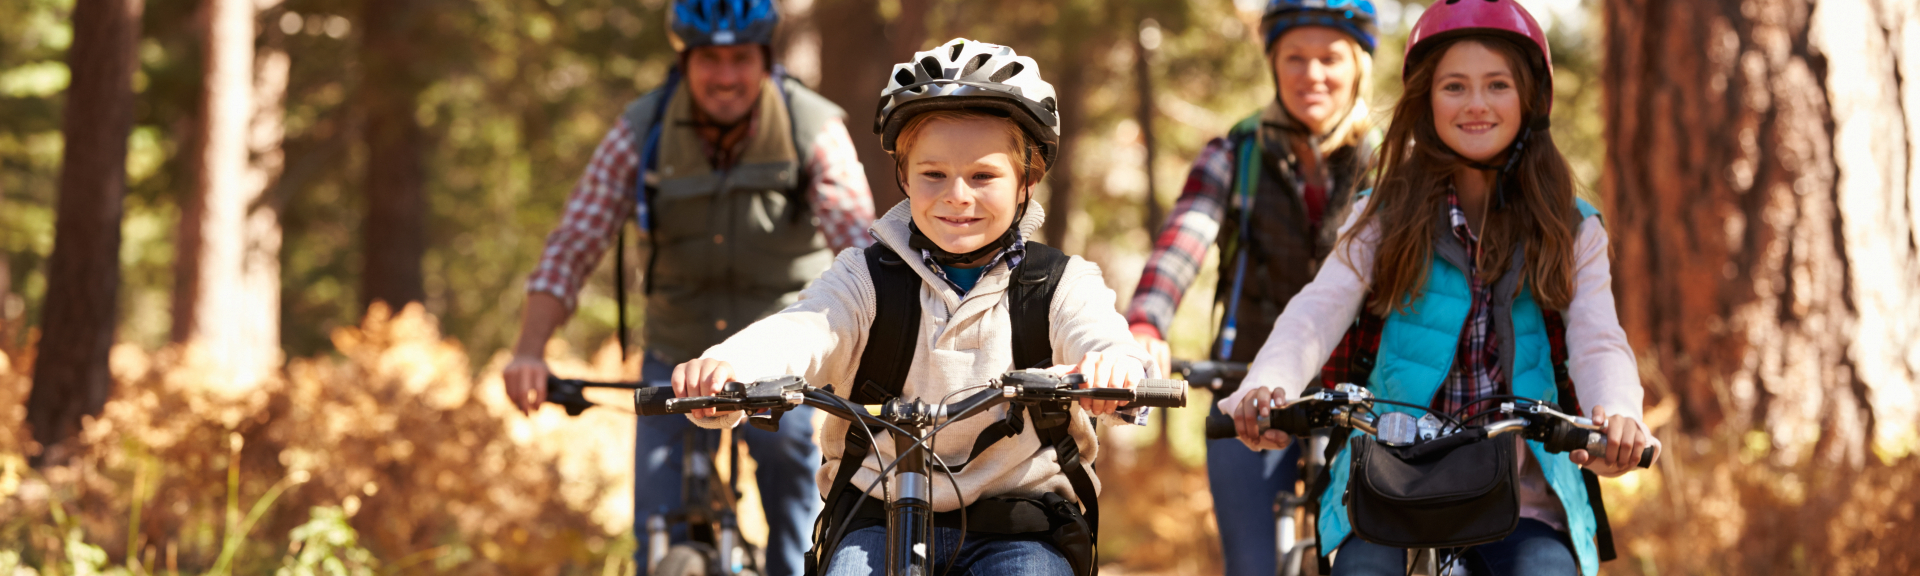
{"x": 1352, "y": 360}
{"x": 1476, "y": 365}
{"x": 604, "y": 198}
{"x": 1182, "y": 246}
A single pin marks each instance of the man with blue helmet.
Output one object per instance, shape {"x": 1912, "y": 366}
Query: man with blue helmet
{"x": 1271, "y": 195}
{"x": 745, "y": 184}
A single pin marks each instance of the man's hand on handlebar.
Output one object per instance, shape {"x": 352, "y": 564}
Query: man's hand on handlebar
{"x": 1246, "y": 420}
{"x": 1105, "y": 370}
{"x": 1626, "y": 438}
{"x": 526, "y": 381}
{"x": 701, "y": 377}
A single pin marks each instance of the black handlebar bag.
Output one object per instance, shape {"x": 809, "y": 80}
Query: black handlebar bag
{"x": 1450, "y": 492}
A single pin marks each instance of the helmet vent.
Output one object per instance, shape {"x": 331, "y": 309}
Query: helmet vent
{"x": 974, "y": 64}
{"x": 1006, "y": 72}
{"x": 903, "y": 77}
{"x": 1050, "y": 105}
{"x": 931, "y": 66}
{"x": 955, "y": 53}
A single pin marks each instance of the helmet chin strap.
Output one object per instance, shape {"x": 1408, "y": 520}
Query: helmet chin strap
{"x": 1514, "y": 152}
{"x": 919, "y": 240}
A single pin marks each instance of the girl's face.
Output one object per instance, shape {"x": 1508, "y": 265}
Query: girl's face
{"x": 1476, "y": 101}
{"x": 962, "y": 182}
{"x": 1317, "y": 73}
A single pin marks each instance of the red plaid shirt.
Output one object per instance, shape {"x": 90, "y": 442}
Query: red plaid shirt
{"x": 1182, "y": 245}
{"x": 604, "y": 198}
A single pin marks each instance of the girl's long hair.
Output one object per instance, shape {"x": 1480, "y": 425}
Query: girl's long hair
{"x": 1411, "y": 191}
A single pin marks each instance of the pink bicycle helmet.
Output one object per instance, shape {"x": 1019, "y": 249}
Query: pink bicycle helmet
{"x": 1447, "y": 19}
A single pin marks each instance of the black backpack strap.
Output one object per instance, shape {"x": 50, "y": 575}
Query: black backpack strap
{"x": 840, "y": 494}
{"x": 1038, "y": 278}
{"x": 895, "y": 329}
{"x": 1031, "y": 304}
{"x": 1067, "y": 453}
{"x": 882, "y": 374}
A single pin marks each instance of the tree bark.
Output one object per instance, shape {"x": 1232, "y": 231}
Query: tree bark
{"x": 232, "y": 308}
{"x": 395, "y": 234}
{"x": 1761, "y": 197}
{"x": 852, "y": 72}
{"x": 1143, "y": 93}
{"x": 1069, "y": 88}
{"x": 70, "y": 378}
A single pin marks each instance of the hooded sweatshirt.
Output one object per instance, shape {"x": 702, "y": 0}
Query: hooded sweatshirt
{"x": 964, "y": 341}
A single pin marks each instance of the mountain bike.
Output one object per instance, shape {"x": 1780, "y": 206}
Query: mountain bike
{"x": 912, "y": 424}
{"x": 1351, "y": 406}
{"x": 1223, "y": 378}
{"x": 713, "y": 546}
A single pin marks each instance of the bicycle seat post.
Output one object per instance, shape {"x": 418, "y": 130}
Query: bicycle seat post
{"x": 910, "y": 514}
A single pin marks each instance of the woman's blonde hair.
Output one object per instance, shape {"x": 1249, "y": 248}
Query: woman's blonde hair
{"x": 1022, "y": 148}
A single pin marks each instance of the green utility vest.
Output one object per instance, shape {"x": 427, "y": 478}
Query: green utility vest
{"x": 728, "y": 247}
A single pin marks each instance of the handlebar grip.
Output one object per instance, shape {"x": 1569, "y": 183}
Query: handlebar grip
{"x": 652, "y": 400}
{"x": 1219, "y": 427}
{"x": 1159, "y": 393}
{"x": 1295, "y": 419}
{"x": 1597, "y": 445}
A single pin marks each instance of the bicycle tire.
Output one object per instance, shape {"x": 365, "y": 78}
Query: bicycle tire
{"x": 682, "y": 560}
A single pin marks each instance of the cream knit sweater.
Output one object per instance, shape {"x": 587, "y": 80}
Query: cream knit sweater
{"x": 964, "y": 341}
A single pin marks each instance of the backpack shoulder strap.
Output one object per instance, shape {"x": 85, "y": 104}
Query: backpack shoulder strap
{"x": 1569, "y": 400}
{"x": 882, "y": 373}
{"x": 810, "y": 112}
{"x": 642, "y": 117}
{"x": 1034, "y": 285}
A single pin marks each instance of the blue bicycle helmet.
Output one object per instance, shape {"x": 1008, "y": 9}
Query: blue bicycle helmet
{"x": 702, "y": 23}
{"x": 1355, "y": 17}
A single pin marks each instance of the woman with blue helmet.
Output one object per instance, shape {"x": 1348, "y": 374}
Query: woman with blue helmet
{"x": 1269, "y": 194}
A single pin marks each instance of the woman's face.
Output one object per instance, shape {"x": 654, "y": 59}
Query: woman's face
{"x": 1476, "y": 101}
{"x": 962, "y": 182}
{"x": 1317, "y": 74}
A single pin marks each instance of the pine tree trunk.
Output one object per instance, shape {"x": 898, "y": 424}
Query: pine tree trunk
{"x": 852, "y": 72}
{"x": 70, "y": 378}
{"x": 395, "y": 233}
{"x": 1762, "y": 200}
{"x": 233, "y": 307}
{"x": 1069, "y": 87}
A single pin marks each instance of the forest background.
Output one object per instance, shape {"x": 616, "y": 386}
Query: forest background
{"x": 206, "y": 207}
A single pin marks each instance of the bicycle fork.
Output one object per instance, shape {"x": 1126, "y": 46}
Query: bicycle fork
{"x": 910, "y": 513}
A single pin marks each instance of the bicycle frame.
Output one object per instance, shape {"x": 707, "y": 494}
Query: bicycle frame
{"x": 707, "y": 510}
{"x": 912, "y": 424}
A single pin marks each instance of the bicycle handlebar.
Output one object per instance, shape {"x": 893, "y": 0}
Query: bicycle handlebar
{"x": 570, "y": 393}
{"x": 1213, "y": 374}
{"x": 1351, "y": 408}
{"x": 1030, "y": 386}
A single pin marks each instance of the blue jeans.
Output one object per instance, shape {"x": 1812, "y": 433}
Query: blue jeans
{"x": 787, "y": 461}
{"x": 864, "y": 553}
{"x": 1245, "y": 484}
{"x": 1532, "y": 548}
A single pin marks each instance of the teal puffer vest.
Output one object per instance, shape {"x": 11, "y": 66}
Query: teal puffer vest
{"x": 1416, "y": 351}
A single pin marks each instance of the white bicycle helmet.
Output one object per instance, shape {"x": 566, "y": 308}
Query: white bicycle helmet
{"x": 965, "y": 74}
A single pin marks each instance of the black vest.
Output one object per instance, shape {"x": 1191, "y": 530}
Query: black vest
{"x": 1283, "y": 255}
